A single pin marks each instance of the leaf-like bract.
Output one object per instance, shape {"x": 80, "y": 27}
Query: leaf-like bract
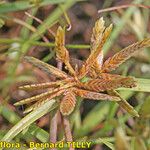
{"x": 98, "y": 85}
{"x": 67, "y": 103}
{"x": 46, "y": 67}
{"x": 94, "y": 53}
{"x": 45, "y": 85}
{"x": 96, "y": 38}
{"x": 42, "y": 101}
{"x": 43, "y": 95}
{"x": 113, "y": 62}
{"x": 94, "y": 95}
{"x": 61, "y": 52}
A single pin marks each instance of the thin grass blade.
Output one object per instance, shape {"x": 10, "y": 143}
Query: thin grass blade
{"x": 29, "y": 119}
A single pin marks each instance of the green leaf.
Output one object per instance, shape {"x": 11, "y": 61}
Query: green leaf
{"x": 2, "y": 22}
{"x": 106, "y": 142}
{"x": 29, "y": 119}
{"x": 121, "y": 142}
{"x": 145, "y": 109}
{"x": 26, "y": 4}
{"x": 139, "y": 144}
{"x": 93, "y": 118}
{"x": 34, "y": 130}
{"x": 143, "y": 85}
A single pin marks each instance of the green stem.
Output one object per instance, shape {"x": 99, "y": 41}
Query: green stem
{"x": 37, "y": 43}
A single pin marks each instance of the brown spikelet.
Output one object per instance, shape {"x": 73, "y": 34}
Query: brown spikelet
{"x": 43, "y": 95}
{"x": 67, "y": 103}
{"x": 35, "y": 98}
{"x": 61, "y": 52}
{"x": 113, "y": 62}
{"x": 46, "y": 67}
{"x": 39, "y": 86}
{"x": 93, "y": 73}
{"x": 85, "y": 79}
{"x": 96, "y": 40}
{"x": 98, "y": 85}
{"x": 45, "y": 85}
{"x": 97, "y": 33}
{"x": 124, "y": 104}
{"x": 36, "y": 105}
{"x": 97, "y": 53}
{"x": 94, "y": 95}
{"x": 99, "y": 62}
{"x": 108, "y": 76}
{"x": 76, "y": 63}
{"x": 42, "y": 101}
{"x": 94, "y": 53}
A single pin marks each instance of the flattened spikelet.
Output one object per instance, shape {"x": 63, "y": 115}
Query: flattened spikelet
{"x": 96, "y": 40}
{"x": 36, "y": 105}
{"x": 98, "y": 85}
{"x": 94, "y": 53}
{"x": 85, "y": 79}
{"x": 61, "y": 52}
{"x": 44, "y": 85}
{"x": 95, "y": 95}
{"x": 113, "y": 62}
{"x": 42, "y": 95}
{"x": 108, "y": 76}
{"x": 97, "y": 33}
{"x": 46, "y": 67}
{"x": 39, "y": 86}
{"x": 42, "y": 101}
{"x": 67, "y": 103}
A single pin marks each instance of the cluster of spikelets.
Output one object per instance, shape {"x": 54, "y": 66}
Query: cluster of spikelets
{"x": 88, "y": 79}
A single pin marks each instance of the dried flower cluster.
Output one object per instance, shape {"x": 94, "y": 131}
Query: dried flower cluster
{"x": 85, "y": 79}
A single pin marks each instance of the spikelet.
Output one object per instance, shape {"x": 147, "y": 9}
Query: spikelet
{"x": 94, "y": 53}
{"x": 42, "y": 101}
{"x": 35, "y": 98}
{"x": 96, "y": 40}
{"x": 43, "y": 95}
{"x": 124, "y": 104}
{"x": 108, "y": 76}
{"x": 97, "y": 33}
{"x": 76, "y": 63}
{"x": 39, "y": 86}
{"x": 61, "y": 52}
{"x": 36, "y": 105}
{"x": 45, "y": 85}
{"x": 46, "y": 67}
{"x": 67, "y": 103}
{"x": 113, "y": 62}
{"x": 94, "y": 95}
{"x": 98, "y": 85}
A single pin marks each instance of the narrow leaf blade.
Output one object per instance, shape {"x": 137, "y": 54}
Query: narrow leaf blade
{"x": 29, "y": 119}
